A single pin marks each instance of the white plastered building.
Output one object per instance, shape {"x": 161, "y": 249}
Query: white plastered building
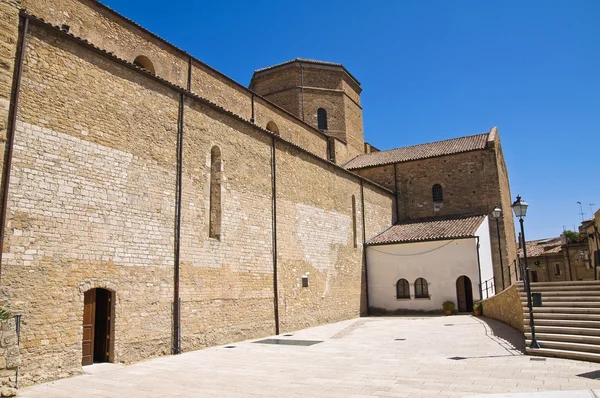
{"x": 417, "y": 265}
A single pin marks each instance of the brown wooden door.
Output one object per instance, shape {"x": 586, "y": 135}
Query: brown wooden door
{"x": 89, "y": 315}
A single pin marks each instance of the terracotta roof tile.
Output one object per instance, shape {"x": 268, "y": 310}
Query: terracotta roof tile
{"x": 307, "y": 61}
{"x": 541, "y": 247}
{"x": 416, "y": 152}
{"x": 432, "y": 228}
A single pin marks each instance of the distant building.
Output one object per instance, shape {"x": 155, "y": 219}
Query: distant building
{"x": 557, "y": 259}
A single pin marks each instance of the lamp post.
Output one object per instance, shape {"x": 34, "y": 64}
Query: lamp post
{"x": 497, "y": 212}
{"x": 520, "y": 209}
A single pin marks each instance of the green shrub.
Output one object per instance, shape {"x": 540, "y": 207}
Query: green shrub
{"x": 448, "y": 305}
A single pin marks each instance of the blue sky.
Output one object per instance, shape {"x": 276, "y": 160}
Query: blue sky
{"x": 431, "y": 70}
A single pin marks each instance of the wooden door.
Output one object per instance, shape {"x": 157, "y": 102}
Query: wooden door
{"x": 89, "y": 316}
{"x": 461, "y": 294}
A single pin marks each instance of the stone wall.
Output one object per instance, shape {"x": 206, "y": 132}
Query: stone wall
{"x": 9, "y": 357}
{"x": 107, "y": 30}
{"x": 92, "y": 205}
{"x": 506, "y": 307}
{"x": 473, "y": 182}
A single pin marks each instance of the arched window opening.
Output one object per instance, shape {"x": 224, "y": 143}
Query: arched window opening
{"x": 402, "y": 289}
{"x": 437, "y": 193}
{"x": 143, "y": 62}
{"x": 272, "y": 127}
{"x": 354, "y": 234}
{"x": 421, "y": 288}
{"x": 322, "y": 119}
{"x": 216, "y": 163}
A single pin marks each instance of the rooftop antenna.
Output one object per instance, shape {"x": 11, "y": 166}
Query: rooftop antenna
{"x": 592, "y": 209}
{"x": 581, "y": 213}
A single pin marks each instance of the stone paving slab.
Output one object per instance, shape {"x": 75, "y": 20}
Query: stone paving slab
{"x": 366, "y": 357}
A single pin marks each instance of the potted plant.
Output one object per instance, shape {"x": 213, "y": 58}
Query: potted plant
{"x": 477, "y": 307}
{"x": 448, "y": 307}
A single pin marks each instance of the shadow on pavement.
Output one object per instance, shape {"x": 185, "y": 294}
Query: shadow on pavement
{"x": 505, "y": 332}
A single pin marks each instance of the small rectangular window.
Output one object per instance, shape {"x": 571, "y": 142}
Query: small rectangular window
{"x": 556, "y": 269}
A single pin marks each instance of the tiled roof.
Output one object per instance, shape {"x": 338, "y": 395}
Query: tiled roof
{"x": 432, "y": 228}
{"x": 416, "y": 152}
{"x": 307, "y": 61}
{"x": 541, "y": 247}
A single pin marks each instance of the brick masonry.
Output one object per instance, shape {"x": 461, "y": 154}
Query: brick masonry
{"x": 92, "y": 205}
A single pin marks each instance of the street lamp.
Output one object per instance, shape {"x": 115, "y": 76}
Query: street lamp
{"x": 497, "y": 212}
{"x": 520, "y": 209}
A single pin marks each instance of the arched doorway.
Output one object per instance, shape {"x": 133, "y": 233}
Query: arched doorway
{"x": 97, "y": 323}
{"x": 464, "y": 294}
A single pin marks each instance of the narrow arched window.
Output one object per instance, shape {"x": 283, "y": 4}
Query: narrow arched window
{"x": 354, "y": 234}
{"x": 402, "y": 289}
{"x": 421, "y": 288}
{"x": 216, "y": 171}
{"x": 322, "y": 119}
{"x": 437, "y": 193}
{"x": 272, "y": 127}
{"x": 143, "y": 62}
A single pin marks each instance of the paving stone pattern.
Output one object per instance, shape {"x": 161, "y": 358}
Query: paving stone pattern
{"x": 367, "y": 362}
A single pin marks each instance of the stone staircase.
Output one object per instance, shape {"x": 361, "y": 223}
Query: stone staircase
{"x": 567, "y": 325}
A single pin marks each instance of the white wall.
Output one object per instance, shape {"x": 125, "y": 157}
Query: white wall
{"x": 485, "y": 257}
{"x": 441, "y": 263}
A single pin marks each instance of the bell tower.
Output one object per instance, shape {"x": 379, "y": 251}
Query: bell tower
{"x": 323, "y": 94}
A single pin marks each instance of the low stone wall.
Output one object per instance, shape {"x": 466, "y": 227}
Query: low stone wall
{"x": 9, "y": 357}
{"x": 505, "y": 307}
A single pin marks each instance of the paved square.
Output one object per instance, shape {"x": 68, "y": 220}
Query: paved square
{"x": 366, "y": 357}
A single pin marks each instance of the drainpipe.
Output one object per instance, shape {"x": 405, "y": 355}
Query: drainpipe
{"x": 364, "y": 248}
{"x": 274, "y": 234}
{"x": 302, "y": 87}
{"x": 12, "y": 123}
{"x": 479, "y": 268}
{"x": 179, "y": 183}
{"x": 397, "y": 195}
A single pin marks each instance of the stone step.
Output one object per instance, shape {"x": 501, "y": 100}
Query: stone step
{"x": 564, "y": 323}
{"x": 560, "y": 288}
{"x": 563, "y": 330}
{"x": 571, "y": 338}
{"x": 547, "y": 352}
{"x": 567, "y": 346}
{"x": 553, "y": 315}
{"x": 563, "y": 310}
{"x": 566, "y": 293}
{"x": 565, "y": 283}
{"x": 585, "y": 304}
{"x": 590, "y": 299}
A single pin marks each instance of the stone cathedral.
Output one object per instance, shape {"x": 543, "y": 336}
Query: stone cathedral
{"x": 151, "y": 205}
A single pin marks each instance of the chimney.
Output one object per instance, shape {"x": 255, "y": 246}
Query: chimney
{"x": 520, "y": 244}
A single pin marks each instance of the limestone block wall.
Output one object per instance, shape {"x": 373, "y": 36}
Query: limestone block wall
{"x": 9, "y": 357}
{"x": 116, "y": 34}
{"x": 9, "y": 34}
{"x": 316, "y": 234}
{"x": 92, "y": 205}
{"x": 93, "y": 22}
{"x": 226, "y": 283}
{"x": 291, "y": 129}
{"x": 506, "y": 307}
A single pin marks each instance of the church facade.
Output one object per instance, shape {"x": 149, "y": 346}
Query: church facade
{"x": 151, "y": 205}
